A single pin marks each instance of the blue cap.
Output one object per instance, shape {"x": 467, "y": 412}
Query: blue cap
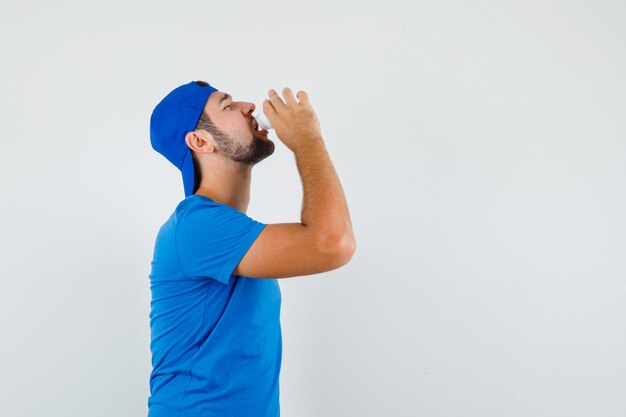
{"x": 174, "y": 116}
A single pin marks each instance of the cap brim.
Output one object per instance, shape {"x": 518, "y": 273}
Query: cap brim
{"x": 188, "y": 173}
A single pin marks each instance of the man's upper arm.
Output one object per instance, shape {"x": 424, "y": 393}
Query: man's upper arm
{"x": 285, "y": 250}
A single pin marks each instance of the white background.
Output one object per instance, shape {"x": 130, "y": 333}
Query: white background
{"x": 481, "y": 147}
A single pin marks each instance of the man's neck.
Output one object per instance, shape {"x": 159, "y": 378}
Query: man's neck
{"x": 230, "y": 186}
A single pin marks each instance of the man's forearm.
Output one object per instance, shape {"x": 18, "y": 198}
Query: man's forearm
{"x": 324, "y": 205}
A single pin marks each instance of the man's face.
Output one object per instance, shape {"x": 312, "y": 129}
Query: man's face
{"x": 237, "y": 138}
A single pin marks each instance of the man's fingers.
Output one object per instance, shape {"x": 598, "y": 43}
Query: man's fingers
{"x": 277, "y": 102}
{"x": 289, "y": 98}
{"x": 268, "y": 107}
{"x": 303, "y": 97}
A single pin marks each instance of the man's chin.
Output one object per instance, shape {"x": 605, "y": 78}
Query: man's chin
{"x": 262, "y": 149}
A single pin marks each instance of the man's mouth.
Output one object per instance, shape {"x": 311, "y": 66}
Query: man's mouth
{"x": 255, "y": 127}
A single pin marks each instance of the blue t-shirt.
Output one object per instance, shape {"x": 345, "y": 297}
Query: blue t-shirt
{"x": 216, "y": 340}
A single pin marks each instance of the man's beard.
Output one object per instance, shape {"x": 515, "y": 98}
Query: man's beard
{"x": 254, "y": 152}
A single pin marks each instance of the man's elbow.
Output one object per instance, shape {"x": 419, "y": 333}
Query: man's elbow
{"x": 342, "y": 249}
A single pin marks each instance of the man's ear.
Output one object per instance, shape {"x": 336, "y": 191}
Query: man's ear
{"x": 199, "y": 142}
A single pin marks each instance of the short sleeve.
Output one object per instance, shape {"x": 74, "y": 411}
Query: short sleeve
{"x": 212, "y": 238}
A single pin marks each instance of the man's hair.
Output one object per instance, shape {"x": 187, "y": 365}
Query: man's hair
{"x": 205, "y": 123}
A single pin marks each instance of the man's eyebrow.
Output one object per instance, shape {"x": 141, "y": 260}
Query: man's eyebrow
{"x": 224, "y": 97}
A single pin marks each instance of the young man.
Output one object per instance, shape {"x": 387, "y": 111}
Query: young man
{"x": 215, "y": 312}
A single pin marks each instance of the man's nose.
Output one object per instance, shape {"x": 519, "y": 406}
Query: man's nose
{"x": 247, "y": 108}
